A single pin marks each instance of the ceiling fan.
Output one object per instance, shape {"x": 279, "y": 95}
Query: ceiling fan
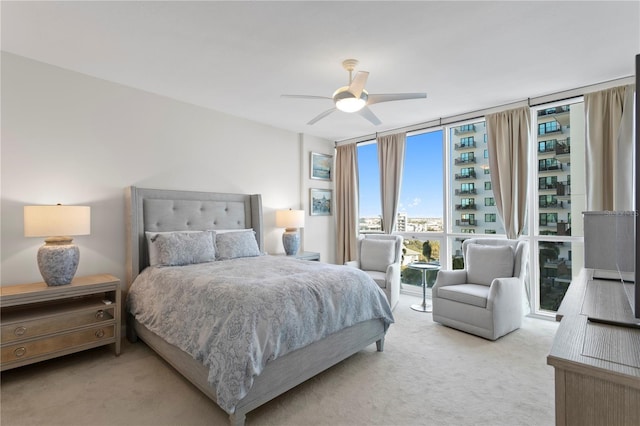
{"x": 354, "y": 98}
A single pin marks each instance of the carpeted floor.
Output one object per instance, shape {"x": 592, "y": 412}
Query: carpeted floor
{"x": 427, "y": 375}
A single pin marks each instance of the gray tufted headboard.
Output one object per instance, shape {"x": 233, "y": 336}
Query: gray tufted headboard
{"x": 170, "y": 210}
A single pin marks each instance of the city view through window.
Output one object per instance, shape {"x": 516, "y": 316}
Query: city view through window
{"x": 555, "y": 204}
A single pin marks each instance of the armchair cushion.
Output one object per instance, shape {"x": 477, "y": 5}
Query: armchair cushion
{"x": 484, "y": 263}
{"x": 376, "y": 255}
{"x": 469, "y": 294}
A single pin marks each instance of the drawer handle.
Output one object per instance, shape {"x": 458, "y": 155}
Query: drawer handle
{"x": 20, "y": 352}
{"x": 20, "y": 331}
{"x": 100, "y": 314}
{"x": 100, "y": 334}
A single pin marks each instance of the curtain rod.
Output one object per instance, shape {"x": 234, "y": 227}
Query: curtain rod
{"x": 531, "y": 102}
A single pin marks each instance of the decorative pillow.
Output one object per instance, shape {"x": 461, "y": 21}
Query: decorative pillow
{"x": 484, "y": 263}
{"x": 180, "y": 248}
{"x": 376, "y": 255}
{"x": 230, "y": 245}
{"x": 152, "y": 248}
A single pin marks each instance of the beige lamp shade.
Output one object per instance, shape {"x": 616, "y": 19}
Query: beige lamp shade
{"x": 48, "y": 221}
{"x": 290, "y": 218}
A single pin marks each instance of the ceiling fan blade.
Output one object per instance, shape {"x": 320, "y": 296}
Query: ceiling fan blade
{"x": 319, "y": 117}
{"x": 369, "y": 115}
{"x": 305, "y": 97}
{"x": 388, "y": 97}
{"x": 357, "y": 84}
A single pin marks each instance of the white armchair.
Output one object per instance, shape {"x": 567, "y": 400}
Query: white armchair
{"x": 485, "y": 298}
{"x": 380, "y": 257}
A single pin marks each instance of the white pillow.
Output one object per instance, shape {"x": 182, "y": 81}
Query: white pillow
{"x": 231, "y": 245}
{"x": 153, "y": 247}
{"x": 376, "y": 255}
{"x": 484, "y": 263}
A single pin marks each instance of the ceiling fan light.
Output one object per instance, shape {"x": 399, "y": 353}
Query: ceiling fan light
{"x": 350, "y": 104}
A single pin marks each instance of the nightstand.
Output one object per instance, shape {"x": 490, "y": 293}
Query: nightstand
{"x": 40, "y": 322}
{"x": 304, "y": 255}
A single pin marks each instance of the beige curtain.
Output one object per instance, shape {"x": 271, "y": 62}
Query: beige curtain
{"x": 507, "y": 140}
{"x": 609, "y": 154}
{"x": 391, "y": 160}
{"x": 346, "y": 202}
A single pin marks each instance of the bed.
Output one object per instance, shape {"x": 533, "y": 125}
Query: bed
{"x": 158, "y": 211}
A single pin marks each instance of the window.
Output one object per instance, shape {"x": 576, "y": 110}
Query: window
{"x": 549, "y": 228}
{"x": 549, "y": 164}
{"x": 486, "y": 153}
{"x": 422, "y": 192}
{"x": 548, "y": 182}
{"x": 461, "y": 171}
{"x": 547, "y": 146}
{"x": 548, "y": 127}
{"x": 466, "y": 188}
{"x": 369, "y": 204}
{"x": 422, "y": 206}
{"x": 556, "y": 239}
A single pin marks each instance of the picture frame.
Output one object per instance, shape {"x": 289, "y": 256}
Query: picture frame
{"x": 321, "y": 166}
{"x": 320, "y": 202}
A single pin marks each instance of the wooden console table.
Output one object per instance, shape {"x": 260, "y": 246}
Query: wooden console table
{"x": 597, "y": 366}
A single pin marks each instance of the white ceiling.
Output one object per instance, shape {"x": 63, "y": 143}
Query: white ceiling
{"x": 239, "y": 57}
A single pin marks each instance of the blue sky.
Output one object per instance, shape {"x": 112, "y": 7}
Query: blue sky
{"x": 422, "y": 184}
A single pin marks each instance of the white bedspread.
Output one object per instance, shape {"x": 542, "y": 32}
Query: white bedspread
{"x": 236, "y": 315}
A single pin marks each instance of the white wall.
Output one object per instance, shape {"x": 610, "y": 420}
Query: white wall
{"x": 73, "y": 139}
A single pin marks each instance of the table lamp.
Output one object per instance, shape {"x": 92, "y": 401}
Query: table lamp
{"x": 291, "y": 220}
{"x": 58, "y": 257}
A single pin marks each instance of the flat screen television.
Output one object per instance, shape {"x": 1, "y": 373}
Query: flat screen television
{"x": 635, "y": 296}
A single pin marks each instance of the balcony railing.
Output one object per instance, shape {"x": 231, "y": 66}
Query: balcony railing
{"x": 544, "y": 186}
{"x": 551, "y": 111}
{"x": 551, "y": 204}
{"x": 562, "y": 149}
{"x": 470, "y": 175}
{"x": 464, "y": 145}
{"x": 465, "y": 206}
{"x": 547, "y": 167}
{"x": 466, "y": 222}
{"x": 470, "y": 128}
{"x": 462, "y": 160}
{"x": 465, "y": 191}
{"x": 564, "y": 189}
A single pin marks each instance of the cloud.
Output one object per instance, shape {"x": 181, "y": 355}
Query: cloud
{"x": 415, "y": 202}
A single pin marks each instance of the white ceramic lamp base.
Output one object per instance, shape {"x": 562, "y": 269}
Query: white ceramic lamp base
{"x": 58, "y": 261}
{"x": 291, "y": 241}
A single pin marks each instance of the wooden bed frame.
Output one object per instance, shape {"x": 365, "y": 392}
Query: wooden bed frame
{"x": 170, "y": 210}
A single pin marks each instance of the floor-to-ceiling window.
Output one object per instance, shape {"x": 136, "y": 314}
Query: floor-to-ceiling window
{"x": 369, "y": 204}
{"x": 558, "y": 159}
{"x": 421, "y": 209}
{"x": 447, "y": 197}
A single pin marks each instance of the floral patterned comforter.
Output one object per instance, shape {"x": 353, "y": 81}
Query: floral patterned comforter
{"x": 236, "y": 315}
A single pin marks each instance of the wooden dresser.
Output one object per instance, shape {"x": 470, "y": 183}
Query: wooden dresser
{"x": 39, "y": 322}
{"x": 597, "y": 366}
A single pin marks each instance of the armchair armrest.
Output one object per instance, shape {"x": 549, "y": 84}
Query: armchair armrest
{"x": 353, "y": 263}
{"x": 445, "y": 278}
{"x": 507, "y": 290}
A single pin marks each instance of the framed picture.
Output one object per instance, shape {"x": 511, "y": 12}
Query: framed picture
{"x": 321, "y": 166}
{"x": 320, "y": 202}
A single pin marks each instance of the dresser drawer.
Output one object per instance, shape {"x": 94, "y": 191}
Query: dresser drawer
{"x": 47, "y": 345}
{"x": 20, "y": 328}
